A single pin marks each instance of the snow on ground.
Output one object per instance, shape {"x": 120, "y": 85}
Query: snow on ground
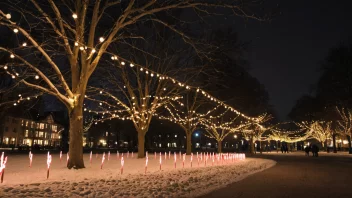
{"x": 22, "y": 181}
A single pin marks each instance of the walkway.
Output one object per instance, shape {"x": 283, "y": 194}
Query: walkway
{"x": 296, "y": 175}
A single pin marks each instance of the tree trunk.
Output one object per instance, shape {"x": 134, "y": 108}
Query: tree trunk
{"x": 189, "y": 142}
{"x": 277, "y": 146}
{"x": 326, "y": 146}
{"x": 349, "y": 144}
{"x": 334, "y": 142}
{"x": 76, "y": 137}
{"x": 141, "y": 141}
{"x": 260, "y": 147}
{"x": 252, "y": 146}
{"x": 219, "y": 146}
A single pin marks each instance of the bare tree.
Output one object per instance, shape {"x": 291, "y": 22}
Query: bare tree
{"x": 217, "y": 128}
{"x": 188, "y": 114}
{"x": 61, "y": 43}
{"x": 344, "y": 124}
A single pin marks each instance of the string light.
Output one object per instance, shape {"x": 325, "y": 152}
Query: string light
{"x": 12, "y": 56}
{"x": 15, "y": 30}
{"x": 101, "y": 39}
{"x": 36, "y": 77}
{"x": 74, "y": 16}
{"x": 24, "y": 44}
{"x": 8, "y": 16}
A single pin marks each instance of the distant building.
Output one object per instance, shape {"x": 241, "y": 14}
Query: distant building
{"x": 19, "y": 131}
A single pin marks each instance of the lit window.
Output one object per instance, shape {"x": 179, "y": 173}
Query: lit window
{"x": 54, "y": 128}
{"x": 41, "y": 134}
{"x": 26, "y": 123}
{"x": 107, "y": 133}
{"x": 41, "y": 126}
{"x": 26, "y": 134}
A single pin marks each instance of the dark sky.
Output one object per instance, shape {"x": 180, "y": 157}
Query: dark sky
{"x": 285, "y": 53}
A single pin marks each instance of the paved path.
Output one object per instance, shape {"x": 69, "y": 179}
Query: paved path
{"x": 296, "y": 176}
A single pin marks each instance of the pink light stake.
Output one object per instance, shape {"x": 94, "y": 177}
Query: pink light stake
{"x": 102, "y": 161}
{"x": 96, "y": 155}
{"x": 191, "y": 159}
{"x": 2, "y": 166}
{"x": 180, "y": 154}
{"x": 183, "y": 162}
{"x": 30, "y": 159}
{"x": 128, "y": 153}
{"x": 169, "y": 154}
{"x": 175, "y": 158}
{"x": 154, "y": 155}
{"x": 67, "y": 158}
{"x": 60, "y": 156}
{"x": 117, "y": 154}
{"x": 132, "y": 154}
{"x": 48, "y": 162}
{"x": 160, "y": 160}
{"x": 146, "y": 164}
{"x": 109, "y": 156}
{"x": 122, "y": 163}
{"x": 165, "y": 155}
{"x": 90, "y": 158}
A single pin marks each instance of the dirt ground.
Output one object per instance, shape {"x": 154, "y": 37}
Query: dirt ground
{"x": 296, "y": 175}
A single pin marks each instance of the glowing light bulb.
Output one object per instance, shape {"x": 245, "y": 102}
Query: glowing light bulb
{"x": 15, "y": 30}
{"x": 74, "y": 16}
{"x": 8, "y": 16}
{"x": 101, "y": 39}
{"x": 131, "y": 65}
{"x": 13, "y": 76}
{"x": 81, "y": 48}
{"x": 14, "y": 104}
{"x": 36, "y": 77}
{"x": 5, "y": 67}
{"x": 93, "y": 51}
{"x": 76, "y": 44}
{"x": 12, "y": 56}
{"x": 123, "y": 63}
{"x": 28, "y": 98}
{"x": 24, "y": 44}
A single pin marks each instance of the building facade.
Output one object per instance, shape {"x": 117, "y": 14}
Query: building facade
{"x": 19, "y": 131}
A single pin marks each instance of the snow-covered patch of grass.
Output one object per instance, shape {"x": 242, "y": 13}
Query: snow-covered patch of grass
{"x": 22, "y": 181}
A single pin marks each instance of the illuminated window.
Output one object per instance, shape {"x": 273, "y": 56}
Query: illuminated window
{"x": 41, "y": 134}
{"x": 45, "y": 142}
{"x": 36, "y": 134}
{"x": 26, "y": 123}
{"x": 22, "y": 122}
{"x": 37, "y": 125}
{"x": 32, "y": 125}
{"x": 107, "y": 133}
{"x": 54, "y": 128}
{"x": 26, "y": 133}
{"x": 41, "y": 126}
{"x": 40, "y": 142}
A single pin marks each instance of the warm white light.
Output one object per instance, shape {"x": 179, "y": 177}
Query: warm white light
{"x": 15, "y": 30}
{"x": 24, "y": 44}
{"x": 28, "y": 98}
{"x": 14, "y": 104}
{"x": 93, "y": 50}
{"x": 12, "y": 56}
{"x": 36, "y": 77}
{"x": 101, "y": 39}
{"x": 76, "y": 44}
{"x": 81, "y": 48}
{"x": 131, "y": 65}
{"x": 74, "y": 16}
{"x": 101, "y": 92}
{"x": 19, "y": 95}
{"x": 141, "y": 69}
{"x": 8, "y": 16}
{"x": 5, "y": 67}
{"x": 13, "y": 76}
{"x": 100, "y": 104}
{"x": 122, "y": 63}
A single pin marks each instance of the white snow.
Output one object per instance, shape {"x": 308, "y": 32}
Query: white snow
{"x": 20, "y": 180}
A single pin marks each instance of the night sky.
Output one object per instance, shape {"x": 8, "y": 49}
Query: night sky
{"x": 285, "y": 54}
